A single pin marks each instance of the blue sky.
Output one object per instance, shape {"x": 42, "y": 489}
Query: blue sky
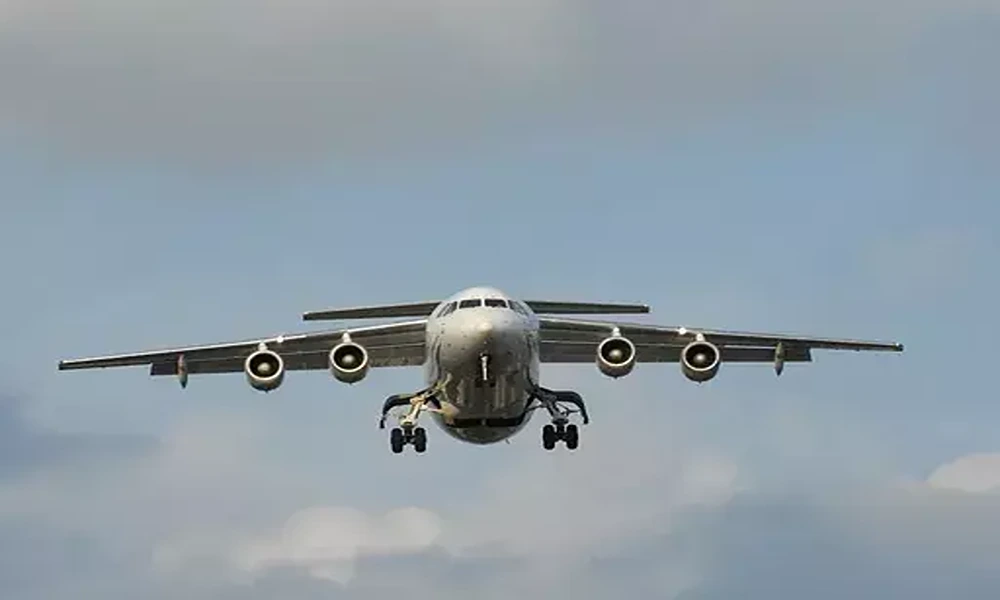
{"x": 747, "y": 171}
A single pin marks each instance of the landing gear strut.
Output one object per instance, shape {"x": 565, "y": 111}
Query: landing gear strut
{"x": 408, "y": 432}
{"x": 561, "y": 428}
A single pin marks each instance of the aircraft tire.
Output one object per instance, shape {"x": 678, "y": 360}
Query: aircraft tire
{"x": 549, "y": 437}
{"x": 396, "y": 440}
{"x": 420, "y": 440}
{"x": 572, "y": 436}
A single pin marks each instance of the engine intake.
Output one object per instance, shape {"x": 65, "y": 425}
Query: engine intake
{"x": 700, "y": 361}
{"x": 349, "y": 362}
{"x": 265, "y": 370}
{"x": 616, "y": 356}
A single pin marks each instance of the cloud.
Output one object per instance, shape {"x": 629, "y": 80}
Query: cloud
{"x": 261, "y": 80}
{"x": 974, "y": 473}
{"x": 327, "y": 540}
{"x": 641, "y": 508}
{"x": 25, "y": 448}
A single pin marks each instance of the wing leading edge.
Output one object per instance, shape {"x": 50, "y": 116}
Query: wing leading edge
{"x": 393, "y": 344}
{"x": 570, "y": 340}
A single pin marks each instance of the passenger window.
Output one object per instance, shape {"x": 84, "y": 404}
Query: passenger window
{"x": 495, "y": 302}
{"x": 471, "y": 303}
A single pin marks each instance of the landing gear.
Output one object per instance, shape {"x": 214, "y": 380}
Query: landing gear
{"x": 561, "y": 429}
{"x": 399, "y": 437}
{"x": 408, "y": 432}
{"x": 568, "y": 433}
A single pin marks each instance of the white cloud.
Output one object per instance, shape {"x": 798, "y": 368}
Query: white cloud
{"x": 327, "y": 540}
{"x": 975, "y": 473}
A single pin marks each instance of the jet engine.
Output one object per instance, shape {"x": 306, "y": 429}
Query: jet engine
{"x": 700, "y": 361}
{"x": 349, "y": 362}
{"x": 265, "y": 370}
{"x": 616, "y": 356}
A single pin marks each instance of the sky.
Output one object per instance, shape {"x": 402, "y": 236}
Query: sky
{"x": 185, "y": 172}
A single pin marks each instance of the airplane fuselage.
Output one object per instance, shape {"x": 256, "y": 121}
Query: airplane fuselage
{"x": 473, "y": 327}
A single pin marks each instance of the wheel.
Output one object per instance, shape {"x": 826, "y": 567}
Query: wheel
{"x": 420, "y": 440}
{"x": 396, "y": 440}
{"x": 572, "y": 436}
{"x": 548, "y": 437}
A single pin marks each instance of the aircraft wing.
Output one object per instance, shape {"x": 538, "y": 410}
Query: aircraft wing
{"x": 392, "y": 344}
{"x": 570, "y": 340}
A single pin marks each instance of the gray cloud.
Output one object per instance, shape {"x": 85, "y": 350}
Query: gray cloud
{"x": 204, "y": 514}
{"x": 24, "y": 448}
{"x": 225, "y": 80}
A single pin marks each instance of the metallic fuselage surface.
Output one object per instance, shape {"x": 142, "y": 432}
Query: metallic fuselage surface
{"x": 456, "y": 341}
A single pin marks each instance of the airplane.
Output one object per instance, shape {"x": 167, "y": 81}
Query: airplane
{"x": 481, "y": 352}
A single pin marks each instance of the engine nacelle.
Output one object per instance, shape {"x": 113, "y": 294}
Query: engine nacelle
{"x": 265, "y": 370}
{"x": 616, "y": 356}
{"x": 700, "y": 361}
{"x": 349, "y": 362}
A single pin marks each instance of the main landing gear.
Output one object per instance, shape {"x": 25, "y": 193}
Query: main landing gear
{"x": 560, "y": 429}
{"x": 408, "y": 432}
{"x": 567, "y": 432}
{"x": 399, "y": 437}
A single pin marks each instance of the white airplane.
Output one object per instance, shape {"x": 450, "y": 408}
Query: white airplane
{"x": 481, "y": 351}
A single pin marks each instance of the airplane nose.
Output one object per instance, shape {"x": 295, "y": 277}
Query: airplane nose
{"x": 483, "y": 332}
{"x": 488, "y": 333}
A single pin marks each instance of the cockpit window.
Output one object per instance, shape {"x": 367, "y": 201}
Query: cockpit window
{"x": 495, "y": 302}
{"x": 447, "y": 310}
{"x": 470, "y": 303}
{"x": 518, "y": 307}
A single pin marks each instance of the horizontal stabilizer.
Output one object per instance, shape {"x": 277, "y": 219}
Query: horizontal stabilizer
{"x": 383, "y": 311}
{"x": 550, "y": 307}
{"x": 423, "y": 309}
